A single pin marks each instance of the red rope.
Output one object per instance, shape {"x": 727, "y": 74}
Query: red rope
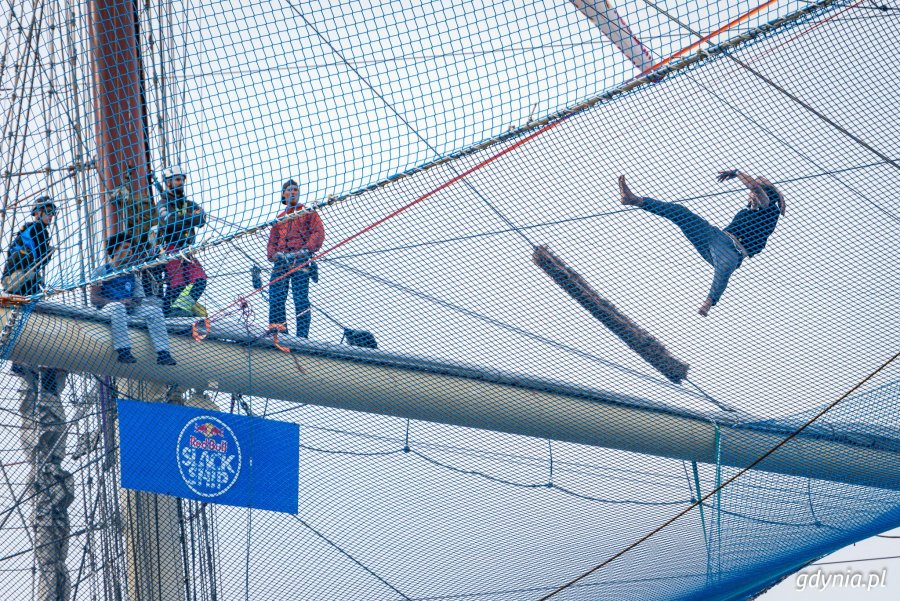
{"x": 804, "y": 32}
{"x": 396, "y": 212}
{"x": 709, "y": 36}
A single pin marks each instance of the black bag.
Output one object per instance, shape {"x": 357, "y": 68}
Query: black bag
{"x": 360, "y": 338}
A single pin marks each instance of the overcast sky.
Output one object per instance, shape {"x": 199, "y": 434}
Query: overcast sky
{"x": 263, "y": 98}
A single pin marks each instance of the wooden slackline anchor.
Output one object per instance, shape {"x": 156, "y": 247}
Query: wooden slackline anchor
{"x": 639, "y": 340}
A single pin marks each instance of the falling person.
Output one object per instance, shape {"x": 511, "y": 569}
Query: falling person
{"x": 726, "y": 248}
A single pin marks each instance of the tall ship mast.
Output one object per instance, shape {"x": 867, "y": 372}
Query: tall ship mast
{"x": 556, "y": 300}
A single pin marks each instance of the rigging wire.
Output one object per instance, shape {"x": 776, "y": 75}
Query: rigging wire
{"x": 793, "y": 97}
{"x": 26, "y": 497}
{"x": 502, "y": 216}
{"x": 727, "y": 482}
{"x": 829, "y": 563}
{"x": 346, "y": 554}
{"x": 301, "y": 67}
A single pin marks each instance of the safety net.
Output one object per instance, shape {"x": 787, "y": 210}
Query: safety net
{"x": 317, "y": 300}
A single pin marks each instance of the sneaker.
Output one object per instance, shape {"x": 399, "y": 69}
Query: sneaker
{"x": 164, "y": 358}
{"x": 125, "y": 355}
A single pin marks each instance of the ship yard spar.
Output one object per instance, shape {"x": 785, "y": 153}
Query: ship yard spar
{"x": 495, "y": 408}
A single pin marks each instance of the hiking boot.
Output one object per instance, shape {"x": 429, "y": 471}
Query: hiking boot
{"x": 164, "y": 358}
{"x": 628, "y": 198}
{"x": 125, "y": 355}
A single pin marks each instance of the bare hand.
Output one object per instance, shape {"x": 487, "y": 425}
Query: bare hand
{"x": 705, "y": 307}
{"x": 726, "y": 175}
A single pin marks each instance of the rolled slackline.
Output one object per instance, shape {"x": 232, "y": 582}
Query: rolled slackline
{"x": 638, "y": 339}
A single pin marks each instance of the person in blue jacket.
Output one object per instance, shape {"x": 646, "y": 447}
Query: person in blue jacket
{"x": 30, "y": 251}
{"x": 121, "y": 296}
{"x": 725, "y": 249}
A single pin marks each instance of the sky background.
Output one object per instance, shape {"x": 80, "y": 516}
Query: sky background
{"x": 257, "y": 96}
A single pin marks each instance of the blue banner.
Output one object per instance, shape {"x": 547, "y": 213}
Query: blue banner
{"x": 209, "y": 456}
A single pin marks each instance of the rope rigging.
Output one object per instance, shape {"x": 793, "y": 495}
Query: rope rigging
{"x": 769, "y": 82}
{"x": 447, "y": 285}
{"x": 727, "y": 482}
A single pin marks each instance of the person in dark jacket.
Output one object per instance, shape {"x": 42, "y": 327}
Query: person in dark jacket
{"x": 179, "y": 220}
{"x": 724, "y": 249}
{"x": 292, "y": 243}
{"x": 30, "y": 251}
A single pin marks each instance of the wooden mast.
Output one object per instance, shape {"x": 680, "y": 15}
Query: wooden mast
{"x": 155, "y": 570}
{"x": 120, "y": 134}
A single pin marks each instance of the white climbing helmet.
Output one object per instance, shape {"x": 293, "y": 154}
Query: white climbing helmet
{"x": 173, "y": 172}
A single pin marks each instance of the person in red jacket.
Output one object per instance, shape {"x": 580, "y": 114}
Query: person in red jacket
{"x": 292, "y": 243}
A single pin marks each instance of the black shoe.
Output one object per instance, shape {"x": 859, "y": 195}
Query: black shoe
{"x": 164, "y": 358}
{"x": 18, "y": 369}
{"x": 125, "y": 356}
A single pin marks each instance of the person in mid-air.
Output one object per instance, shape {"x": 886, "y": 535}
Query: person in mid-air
{"x": 30, "y": 251}
{"x": 292, "y": 243}
{"x": 724, "y": 249}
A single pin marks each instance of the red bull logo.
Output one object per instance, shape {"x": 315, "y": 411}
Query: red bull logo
{"x": 209, "y": 430}
{"x": 209, "y": 456}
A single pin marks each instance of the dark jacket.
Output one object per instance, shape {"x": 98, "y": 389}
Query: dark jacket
{"x": 179, "y": 220}
{"x": 30, "y": 248}
{"x": 754, "y": 226}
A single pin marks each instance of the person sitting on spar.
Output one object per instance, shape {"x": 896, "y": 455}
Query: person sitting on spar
{"x": 726, "y": 248}
{"x": 123, "y": 295}
{"x": 179, "y": 220}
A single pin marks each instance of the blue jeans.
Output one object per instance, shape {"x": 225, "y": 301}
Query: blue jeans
{"x": 299, "y": 283}
{"x": 713, "y": 244}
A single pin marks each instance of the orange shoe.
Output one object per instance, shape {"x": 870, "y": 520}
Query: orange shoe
{"x": 274, "y": 328}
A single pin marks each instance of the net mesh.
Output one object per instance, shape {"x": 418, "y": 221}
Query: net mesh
{"x": 500, "y": 442}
